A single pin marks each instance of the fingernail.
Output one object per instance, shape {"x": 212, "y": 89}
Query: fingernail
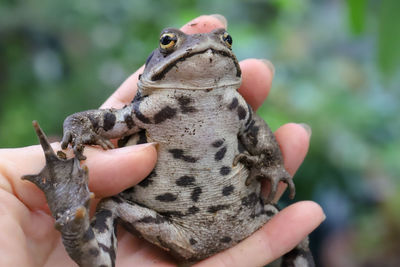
{"x": 307, "y": 128}
{"x": 221, "y": 18}
{"x": 269, "y": 65}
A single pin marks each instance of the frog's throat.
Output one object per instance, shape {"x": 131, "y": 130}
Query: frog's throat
{"x": 147, "y": 88}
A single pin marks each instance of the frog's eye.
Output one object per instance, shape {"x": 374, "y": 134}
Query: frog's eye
{"x": 227, "y": 39}
{"x": 167, "y": 41}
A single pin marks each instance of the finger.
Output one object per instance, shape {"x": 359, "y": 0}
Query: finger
{"x": 282, "y": 233}
{"x": 257, "y": 75}
{"x": 112, "y": 171}
{"x": 127, "y": 90}
{"x": 294, "y": 140}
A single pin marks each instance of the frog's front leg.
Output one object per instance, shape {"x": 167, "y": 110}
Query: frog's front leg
{"x": 96, "y": 127}
{"x": 265, "y": 160}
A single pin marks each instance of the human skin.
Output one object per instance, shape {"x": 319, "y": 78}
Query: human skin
{"x": 28, "y": 237}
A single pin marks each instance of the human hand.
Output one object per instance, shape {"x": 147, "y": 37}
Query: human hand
{"x": 28, "y": 237}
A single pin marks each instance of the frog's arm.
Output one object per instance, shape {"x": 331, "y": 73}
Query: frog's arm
{"x": 263, "y": 155}
{"x": 96, "y": 127}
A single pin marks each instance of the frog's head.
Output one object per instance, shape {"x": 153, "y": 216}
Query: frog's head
{"x": 197, "y": 61}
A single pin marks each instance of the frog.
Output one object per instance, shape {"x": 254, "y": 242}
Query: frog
{"x": 214, "y": 152}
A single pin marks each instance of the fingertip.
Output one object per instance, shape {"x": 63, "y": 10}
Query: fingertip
{"x": 294, "y": 142}
{"x": 291, "y": 225}
{"x": 256, "y": 81}
{"x": 205, "y": 23}
{"x": 314, "y": 210}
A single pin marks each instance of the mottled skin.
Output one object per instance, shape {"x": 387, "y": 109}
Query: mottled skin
{"x": 204, "y": 195}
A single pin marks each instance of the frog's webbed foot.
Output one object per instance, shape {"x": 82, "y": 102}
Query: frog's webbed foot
{"x": 64, "y": 183}
{"x": 80, "y": 131}
{"x": 260, "y": 170}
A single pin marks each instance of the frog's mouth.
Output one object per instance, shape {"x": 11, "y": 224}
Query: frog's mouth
{"x": 160, "y": 74}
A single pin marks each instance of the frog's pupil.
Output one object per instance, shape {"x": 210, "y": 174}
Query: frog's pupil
{"x": 228, "y": 39}
{"x": 166, "y": 40}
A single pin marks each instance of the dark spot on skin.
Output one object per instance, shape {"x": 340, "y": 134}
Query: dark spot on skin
{"x": 214, "y": 209}
{"x": 137, "y": 112}
{"x": 148, "y": 180}
{"x": 251, "y": 124}
{"x": 118, "y": 199}
{"x": 89, "y": 235}
{"x": 250, "y": 200}
{"x": 225, "y": 170}
{"x": 100, "y": 223}
{"x": 145, "y": 182}
{"x": 241, "y": 148}
{"x": 109, "y": 251}
{"x": 253, "y": 134}
{"x": 164, "y": 114}
{"x": 233, "y": 104}
{"x": 129, "y": 121}
{"x": 241, "y": 112}
{"x": 94, "y": 252}
{"x": 94, "y": 121}
{"x": 269, "y": 213}
{"x": 172, "y": 213}
{"x": 150, "y": 219}
{"x": 196, "y": 193}
{"x": 167, "y": 197}
{"x": 192, "y": 241}
{"x": 142, "y": 137}
{"x": 178, "y": 154}
{"x": 227, "y": 190}
{"x": 226, "y": 239}
{"x": 218, "y": 143}
{"x": 109, "y": 121}
{"x": 185, "y": 181}
{"x": 184, "y": 104}
{"x": 220, "y": 154}
{"x": 193, "y": 210}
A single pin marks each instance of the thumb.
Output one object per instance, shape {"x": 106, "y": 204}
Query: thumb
{"x": 112, "y": 171}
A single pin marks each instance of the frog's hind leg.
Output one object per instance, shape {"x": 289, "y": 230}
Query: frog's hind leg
{"x": 158, "y": 229}
{"x": 64, "y": 183}
{"x": 300, "y": 256}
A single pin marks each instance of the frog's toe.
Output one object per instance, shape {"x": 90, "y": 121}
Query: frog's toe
{"x": 246, "y": 159}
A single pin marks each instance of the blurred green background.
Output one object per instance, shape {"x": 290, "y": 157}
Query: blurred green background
{"x": 337, "y": 69}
